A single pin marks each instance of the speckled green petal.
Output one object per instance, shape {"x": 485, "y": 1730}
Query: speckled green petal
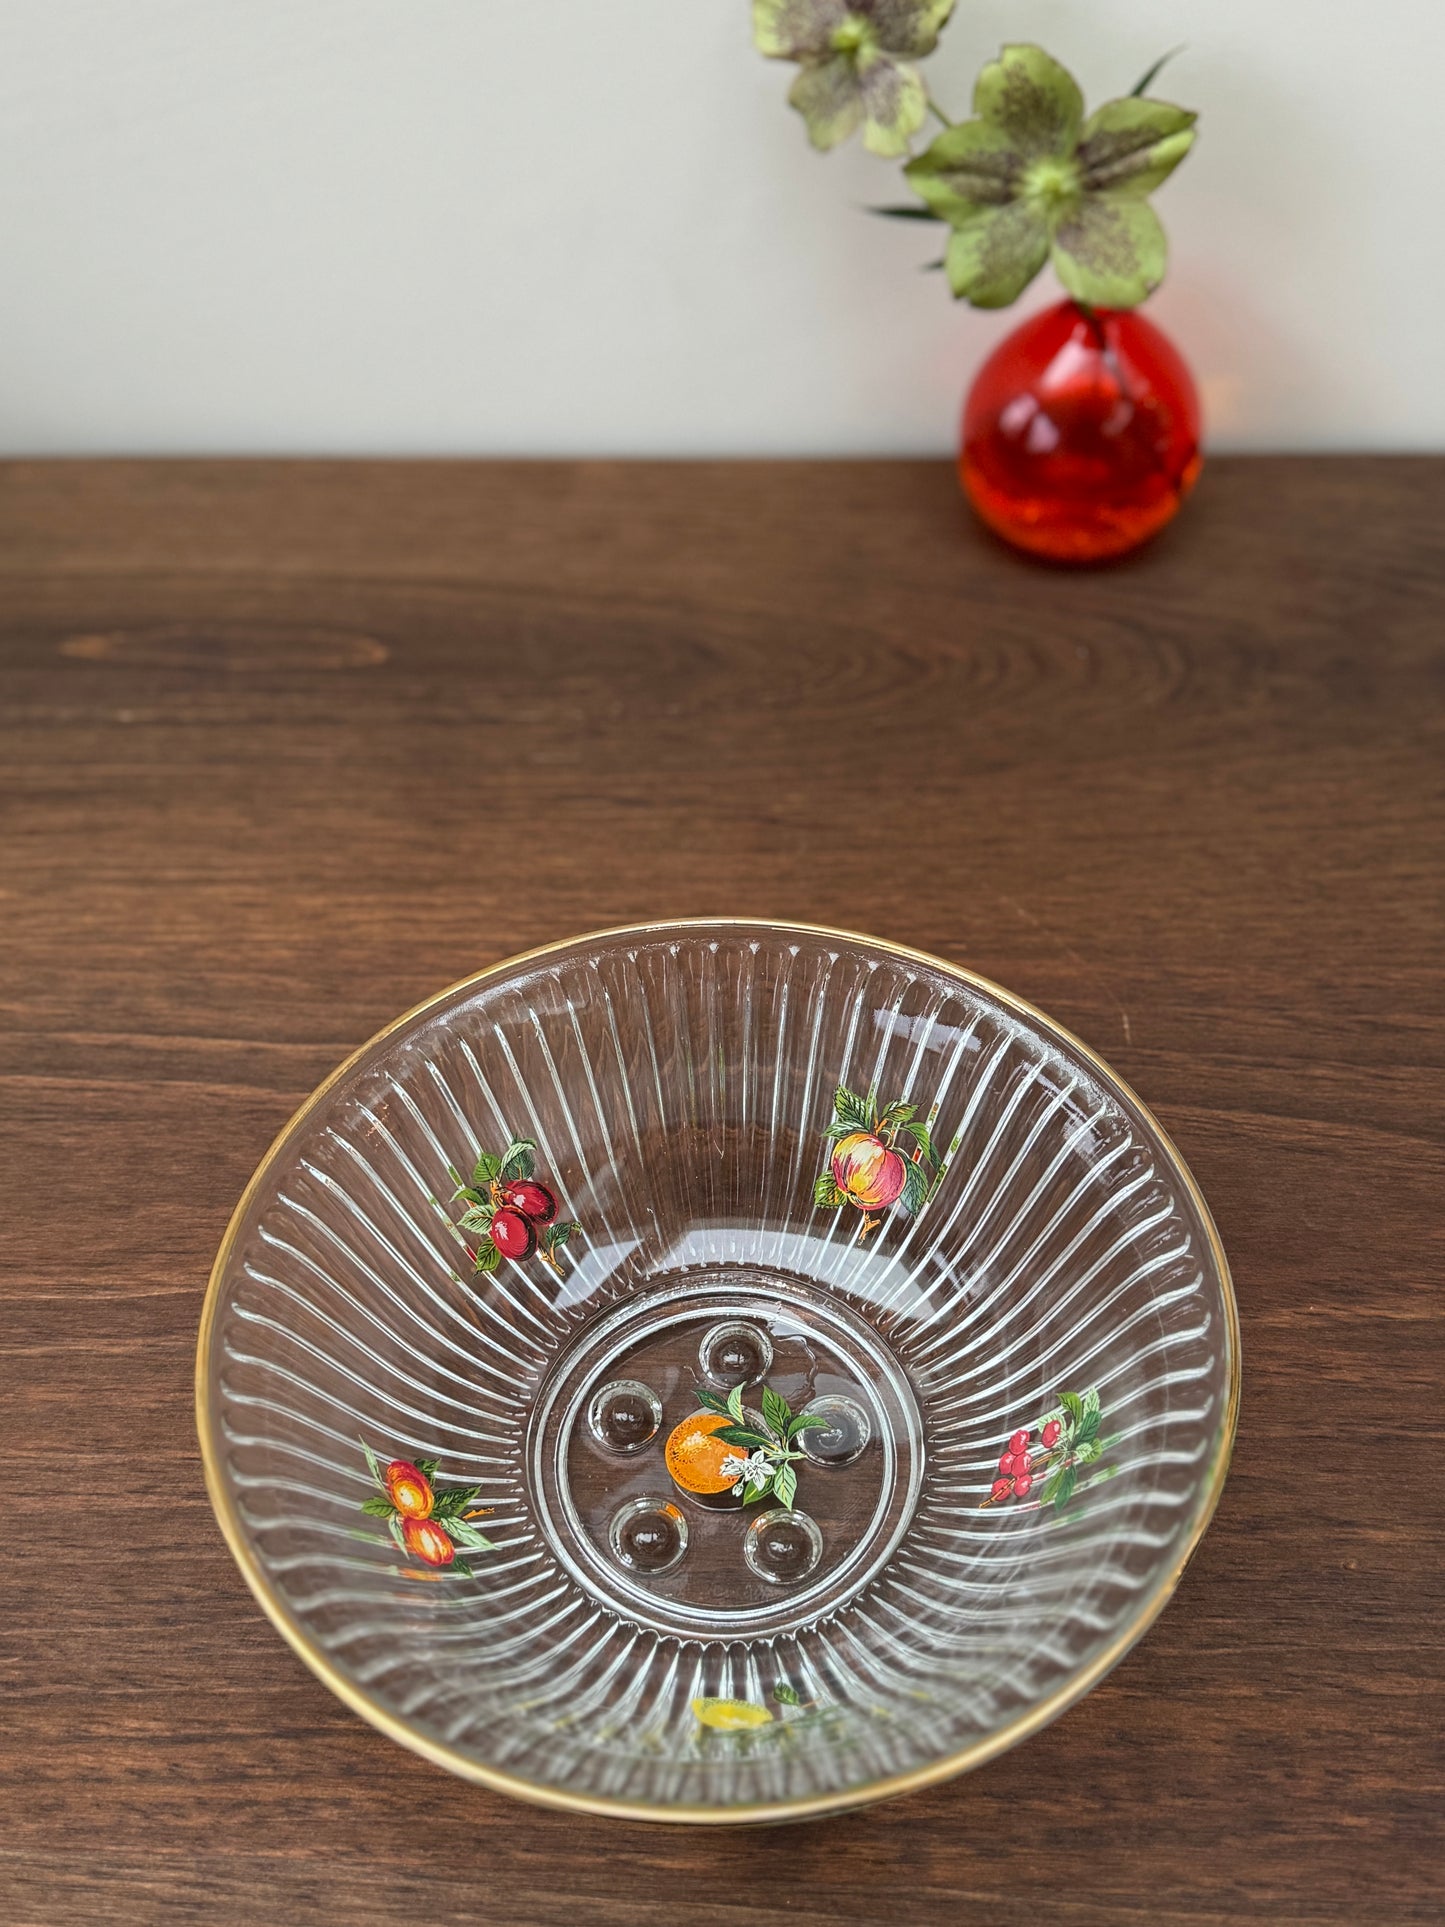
{"x": 796, "y": 29}
{"x": 1110, "y": 251}
{"x": 909, "y": 27}
{"x": 830, "y": 100}
{"x": 993, "y": 258}
{"x": 895, "y": 102}
{"x": 969, "y": 167}
{"x": 1130, "y": 146}
{"x": 1033, "y": 99}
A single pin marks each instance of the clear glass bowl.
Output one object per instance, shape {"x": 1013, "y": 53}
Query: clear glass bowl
{"x": 490, "y": 1506}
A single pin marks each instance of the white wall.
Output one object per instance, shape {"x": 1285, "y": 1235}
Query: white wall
{"x": 558, "y": 226}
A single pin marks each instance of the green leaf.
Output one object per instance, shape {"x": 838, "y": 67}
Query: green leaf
{"x": 517, "y": 1159}
{"x": 1068, "y": 1478}
{"x": 427, "y": 1468}
{"x": 477, "y": 1217}
{"x": 488, "y": 1256}
{"x": 1130, "y": 146}
{"x": 1151, "y": 74}
{"x": 851, "y": 1109}
{"x": 905, "y": 213}
{"x": 776, "y": 1411}
{"x": 1110, "y": 251}
{"x": 1032, "y": 99}
{"x": 454, "y": 1500}
{"x": 395, "y": 1525}
{"x": 711, "y": 1401}
{"x": 735, "y": 1404}
{"x": 463, "y": 1533}
{"x": 1073, "y": 1407}
{"x": 786, "y": 1695}
{"x": 914, "y": 1194}
{"x": 806, "y": 1422}
{"x": 558, "y": 1235}
{"x": 837, "y": 1130}
{"x": 1087, "y": 1429}
{"x": 744, "y": 1435}
{"x": 827, "y": 1193}
{"x": 992, "y": 259}
{"x": 373, "y": 1464}
{"x": 1087, "y": 1452}
{"x": 462, "y": 1568}
{"x": 923, "y": 1138}
{"x": 485, "y": 1169}
{"x": 785, "y": 1484}
{"x": 899, "y": 1113}
{"x": 378, "y": 1507}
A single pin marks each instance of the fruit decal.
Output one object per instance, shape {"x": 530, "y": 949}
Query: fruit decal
{"x": 724, "y": 1448}
{"x": 515, "y": 1215}
{"x": 431, "y": 1525}
{"x": 866, "y": 1168}
{"x": 1067, "y": 1440}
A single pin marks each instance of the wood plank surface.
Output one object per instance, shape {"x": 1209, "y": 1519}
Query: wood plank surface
{"x": 283, "y": 748}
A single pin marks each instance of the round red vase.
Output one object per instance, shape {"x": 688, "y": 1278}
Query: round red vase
{"x": 1081, "y": 434}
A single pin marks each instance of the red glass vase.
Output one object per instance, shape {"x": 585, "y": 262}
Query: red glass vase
{"x": 1081, "y": 434}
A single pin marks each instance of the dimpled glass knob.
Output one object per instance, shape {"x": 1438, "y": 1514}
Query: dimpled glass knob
{"x": 783, "y": 1547}
{"x": 843, "y": 1438}
{"x": 625, "y": 1415}
{"x": 735, "y": 1354}
{"x": 648, "y": 1536}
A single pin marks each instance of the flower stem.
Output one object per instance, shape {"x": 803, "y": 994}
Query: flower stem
{"x": 937, "y": 112}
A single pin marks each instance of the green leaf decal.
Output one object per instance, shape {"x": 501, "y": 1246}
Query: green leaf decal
{"x": 785, "y": 1484}
{"x": 786, "y": 1695}
{"x": 852, "y": 1110}
{"x": 1073, "y": 1407}
{"x": 743, "y": 1435}
{"x": 378, "y": 1507}
{"x": 486, "y": 1168}
{"x": 395, "y": 1524}
{"x": 806, "y": 1422}
{"x": 828, "y": 1194}
{"x": 735, "y": 1404}
{"x": 488, "y": 1256}
{"x": 476, "y": 1217}
{"x": 517, "y": 1159}
{"x": 777, "y": 1412}
{"x": 373, "y": 1463}
{"x": 1068, "y": 1478}
{"x": 711, "y": 1401}
{"x": 427, "y": 1468}
{"x": 914, "y": 1195}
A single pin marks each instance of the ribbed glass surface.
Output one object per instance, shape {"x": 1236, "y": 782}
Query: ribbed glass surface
{"x": 678, "y": 1082}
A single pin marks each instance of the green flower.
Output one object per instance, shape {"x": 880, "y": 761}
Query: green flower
{"x": 1031, "y": 179}
{"x": 852, "y": 74}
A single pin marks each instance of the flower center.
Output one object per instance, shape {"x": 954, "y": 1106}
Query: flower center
{"x": 853, "y": 37}
{"x": 1053, "y": 183}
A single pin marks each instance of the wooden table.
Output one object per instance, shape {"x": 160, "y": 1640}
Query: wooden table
{"x": 287, "y": 747}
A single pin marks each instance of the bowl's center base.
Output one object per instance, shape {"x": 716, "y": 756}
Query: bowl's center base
{"x": 698, "y": 1562}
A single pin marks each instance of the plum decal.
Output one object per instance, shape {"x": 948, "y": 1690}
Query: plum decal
{"x": 878, "y": 1159}
{"x": 427, "y": 1523}
{"x": 508, "y": 1212}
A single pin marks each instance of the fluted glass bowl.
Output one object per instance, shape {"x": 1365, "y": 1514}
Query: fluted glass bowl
{"x": 717, "y": 1371}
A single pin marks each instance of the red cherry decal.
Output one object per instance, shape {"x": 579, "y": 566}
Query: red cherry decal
{"x": 1019, "y": 1442}
{"x": 1051, "y": 1432}
{"x": 1006, "y": 1464}
{"x": 513, "y": 1234}
{"x": 1023, "y": 1484}
{"x": 1001, "y": 1489}
{"x": 533, "y": 1200}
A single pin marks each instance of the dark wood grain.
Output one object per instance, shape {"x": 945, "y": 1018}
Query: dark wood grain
{"x": 287, "y": 747}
